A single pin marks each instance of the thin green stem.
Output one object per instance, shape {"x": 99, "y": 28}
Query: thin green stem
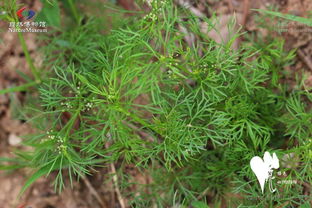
{"x": 74, "y": 10}
{"x": 18, "y": 88}
{"x": 139, "y": 120}
{"x": 71, "y": 123}
{"x": 28, "y": 58}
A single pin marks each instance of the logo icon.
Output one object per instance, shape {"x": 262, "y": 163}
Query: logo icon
{"x": 263, "y": 169}
{"x": 27, "y": 14}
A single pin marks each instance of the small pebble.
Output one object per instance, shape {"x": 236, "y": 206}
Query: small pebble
{"x": 14, "y": 140}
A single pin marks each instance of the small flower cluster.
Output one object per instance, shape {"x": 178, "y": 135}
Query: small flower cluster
{"x": 112, "y": 95}
{"x": 58, "y": 139}
{"x": 50, "y": 137}
{"x": 169, "y": 58}
{"x": 67, "y": 105}
{"x": 280, "y": 173}
{"x": 170, "y": 74}
{"x": 203, "y": 68}
{"x": 61, "y": 147}
{"x": 206, "y": 66}
{"x": 89, "y": 106}
{"x": 151, "y": 16}
{"x": 156, "y": 3}
{"x": 173, "y": 64}
{"x": 78, "y": 89}
{"x": 156, "y": 9}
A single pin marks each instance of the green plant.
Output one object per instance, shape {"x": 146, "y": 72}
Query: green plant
{"x": 10, "y": 8}
{"x": 192, "y": 116}
{"x": 51, "y": 15}
{"x": 289, "y": 17}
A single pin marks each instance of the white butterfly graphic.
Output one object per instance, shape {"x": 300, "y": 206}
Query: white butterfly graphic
{"x": 263, "y": 169}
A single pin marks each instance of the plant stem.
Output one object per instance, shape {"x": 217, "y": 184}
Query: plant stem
{"x": 139, "y": 120}
{"x": 18, "y": 88}
{"x": 28, "y": 58}
{"x": 73, "y": 10}
{"x": 26, "y": 52}
{"x": 71, "y": 123}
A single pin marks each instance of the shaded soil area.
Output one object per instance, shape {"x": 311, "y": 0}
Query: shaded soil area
{"x": 99, "y": 190}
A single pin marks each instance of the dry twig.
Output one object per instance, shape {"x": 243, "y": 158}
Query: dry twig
{"x": 231, "y": 5}
{"x": 115, "y": 179}
{"x": 187, "y": 5}
{"x": 141, "y": 133}
{"x": 94, "y": 192}
{"x": 246, "y": 12}
{"x": 305, "y": 58}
